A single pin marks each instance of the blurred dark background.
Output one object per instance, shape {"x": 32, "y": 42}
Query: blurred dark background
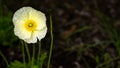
{"x": 86, "y": 32}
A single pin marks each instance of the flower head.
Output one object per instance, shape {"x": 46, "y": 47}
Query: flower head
{"x": 29, "y": 24}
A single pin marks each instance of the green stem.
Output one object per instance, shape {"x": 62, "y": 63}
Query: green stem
{"x": 4, "y": 58}
{"x": 27, "y": 50}
{"x": 33, "y": 56}
{"x": 41, "y": 65}
{"x": 39, "y": 44}
{"x": 23, "y": 53}
{"x": 51, "y": 45}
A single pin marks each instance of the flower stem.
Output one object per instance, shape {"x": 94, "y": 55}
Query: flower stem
{"x": 33, "y": 56}
{"x": 39, "y": 49}
{"x": 23, "y": 53}
{"x": 4, "y": 58}
{"x": 27, "y": 50}
{"x": 51, "y": 45}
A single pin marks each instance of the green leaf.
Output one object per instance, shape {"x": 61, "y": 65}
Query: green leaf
{"x": 16, "y": 64}
{"x": 35, "y": 66}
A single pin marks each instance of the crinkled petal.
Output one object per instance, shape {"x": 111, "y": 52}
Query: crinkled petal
{"x": 32, "y": 39}
{"x": 39, "y": 17}
{"x": 38, "y": 34}
{"x": 21, "y": 14}
{"x": 21, "y": 32}
{"x": 41, "y": 33}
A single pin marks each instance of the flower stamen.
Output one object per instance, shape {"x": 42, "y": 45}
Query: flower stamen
{"x": 30, "y": 25}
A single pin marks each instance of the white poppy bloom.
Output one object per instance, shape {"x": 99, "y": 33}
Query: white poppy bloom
{"x": 29, "y": 24}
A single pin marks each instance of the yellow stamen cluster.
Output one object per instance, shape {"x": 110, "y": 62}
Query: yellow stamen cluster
{"x": 30, "y": 25}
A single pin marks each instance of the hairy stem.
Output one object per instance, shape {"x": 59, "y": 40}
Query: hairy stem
{"x": 51, "y": 45}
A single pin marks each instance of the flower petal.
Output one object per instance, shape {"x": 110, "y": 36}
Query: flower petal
{"x": 39, "y": 17}
{"x": 21, "y": 32}
{"x": 31, "y": 40}
{"x": 41, "y": 33}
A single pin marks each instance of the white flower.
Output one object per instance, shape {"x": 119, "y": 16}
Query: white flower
{"x": 29, "y": 24}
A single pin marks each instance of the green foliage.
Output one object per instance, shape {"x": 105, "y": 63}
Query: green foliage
{"x": 6, "y": 29}
{"x": 7, "y": 36}
{"x": 36, "y": 64}
{"x": 16, "y": 64}
{"x": 110, "y": 28}
{"x": 97, "y": 59}
{"x": 42, "y": 58}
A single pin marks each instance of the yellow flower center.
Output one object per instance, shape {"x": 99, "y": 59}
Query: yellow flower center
{"x": 30, "y": 25}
